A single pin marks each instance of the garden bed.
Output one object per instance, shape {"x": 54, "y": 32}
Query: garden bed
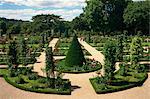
{"x": 90, "y": 66}
{"x": 119, "y": 83}
{"x": 34, "y": 83}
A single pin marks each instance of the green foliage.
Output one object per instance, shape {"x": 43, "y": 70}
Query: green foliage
{"x": 15, "y": 29}
{"x": 23, "y": 51}
{"x": 110, "y": 58}
{"x": 105, "y": 16}
{"x": 136, "y": 16}
{"x": 12, "y": 53}
{"x": 13, "y": 73}
{"x": 90, "y": 66}
{"x": 42, "y": 80}
{"x": 118, "y": 84}
{"x": 75, "y": 56}
{"x": 3, "y": 28}
{"x": 49, "y": 63}
{"x": 35, "y": 87}
{"x": 33, "y": 76}
{"x": 119, "y": 49}
{"x": 136, "y": 51}
{"x": 20, "y": 80}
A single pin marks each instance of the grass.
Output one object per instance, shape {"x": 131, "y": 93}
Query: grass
{"x": 3, "y": 72}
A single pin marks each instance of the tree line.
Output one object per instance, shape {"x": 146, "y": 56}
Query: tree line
{"x": 108, "y": 17}
{"x": 112, "y": 16}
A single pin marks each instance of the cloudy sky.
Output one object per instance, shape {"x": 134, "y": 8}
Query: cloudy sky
{"x": 25, "y": 9}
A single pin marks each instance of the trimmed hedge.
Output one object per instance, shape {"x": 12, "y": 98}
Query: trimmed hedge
{"x": 46, "y": 91}
{"x": 87, "y": 68}
{"x": 30, "y": 60}
{"x": 80, "y": 72}
{"x": 120, "y": 88}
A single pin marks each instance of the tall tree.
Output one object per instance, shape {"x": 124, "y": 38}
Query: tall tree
{"x": 15, "y": 29}
{"x": 105, "y": 15}
{"x": 23, "y": 50}
{"x": 3, "y": 28}
{"x": 110, "y": 59}
{"x": 136, "y": 52}
{"x": 50, "y": 67}
{"x": 43, "y": 22}
{"x": 136, "y": 17}
{"x": 79, "y": 23}
{"x": 119, "y": 52}
{"x": 12, "y": 53}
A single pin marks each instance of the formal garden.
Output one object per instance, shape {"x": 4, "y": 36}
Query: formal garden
{"x": 107, "y": 46}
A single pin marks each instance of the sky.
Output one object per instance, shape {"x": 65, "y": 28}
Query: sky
{"x": 25, "y": 9}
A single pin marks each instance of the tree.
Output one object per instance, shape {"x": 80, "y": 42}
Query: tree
{"x": 105, "y": 15}
{"x": 119, "y": 50}
{"x": 15, "y": 29}
{"x": 23, "y": 50}
{"x": 50, "y": 67}
{"x": 49, "y": 63}
{"x": 136, "y": 52}
{"x": 79, "y": 23}
{"x": 3, "y": 28}
{"x": 75, "y": 56}
{"x": 46, "y": 22}
{"x": 42, "y": 41}
{"x": 12, "y": 53}
{"x": 110, "y": 59}
{"x": 136, "y": 17}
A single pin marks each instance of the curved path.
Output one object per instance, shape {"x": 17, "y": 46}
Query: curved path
{"x": 82, "y": 89}
{"x": 41, "y": 59}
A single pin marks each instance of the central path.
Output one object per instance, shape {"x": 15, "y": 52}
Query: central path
{"x": 97, "y": 55}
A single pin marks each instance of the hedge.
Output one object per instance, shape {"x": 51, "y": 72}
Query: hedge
{"x": 39, "y": 90}
{"x": 80, "y": 72}
{"x": 124, "y": 87}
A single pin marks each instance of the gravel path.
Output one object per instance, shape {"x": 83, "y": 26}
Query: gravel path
{"x": 41, "y": 60}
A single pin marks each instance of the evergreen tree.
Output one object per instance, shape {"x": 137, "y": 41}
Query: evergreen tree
{"x": 12, "y": 53}
{"x": 75, "y": 56}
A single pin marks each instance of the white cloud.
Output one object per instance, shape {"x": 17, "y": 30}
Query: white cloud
{"x": 26, "y": 14}
{"x": 47, "y": 3}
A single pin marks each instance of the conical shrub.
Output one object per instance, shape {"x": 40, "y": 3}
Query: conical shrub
{"x": 75, "y": 56}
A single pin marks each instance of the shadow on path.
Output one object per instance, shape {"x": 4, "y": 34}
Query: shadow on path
{"x": 73, "y": 88}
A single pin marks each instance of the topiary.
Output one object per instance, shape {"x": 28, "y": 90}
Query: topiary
{"x": 75, "y": 56}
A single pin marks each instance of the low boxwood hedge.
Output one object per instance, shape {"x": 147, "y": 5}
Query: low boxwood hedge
{"x": 80, "y": 72}
{"x": 46, "y": 91}
{"x": 118, "y": 88}
{"x": 86, "y": 68}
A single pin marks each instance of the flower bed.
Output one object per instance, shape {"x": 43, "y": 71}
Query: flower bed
{"x": 119, "y": 83}
{"x": 90, "y": 66}
{"x": 30, "y": 81}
